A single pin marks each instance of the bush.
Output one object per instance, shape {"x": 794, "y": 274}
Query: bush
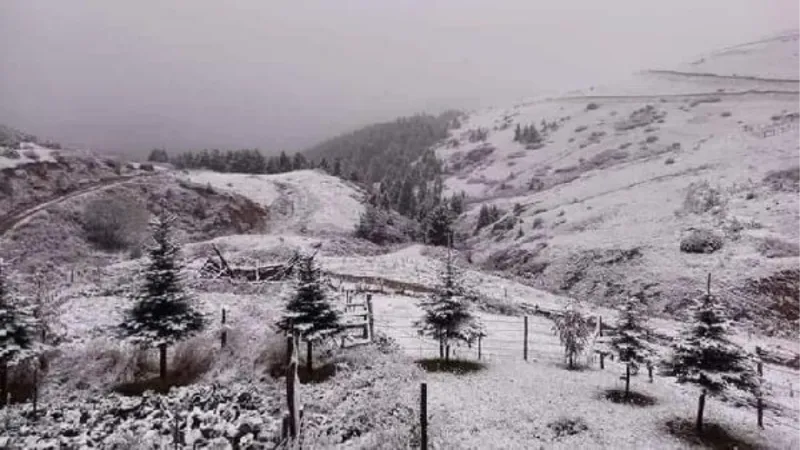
{"x": 701, "y": 241}
{"x": 592, "y": 106}
{"x": 651, "y": 139}
{"x": 786, "y": 180}
{"x": 701, "y": 198}
{"x": 454, "y": 366}
{"x": 114, "y": 224}
{"x": 669, "y": 161}
{"x": 31, "y": 154}
{"x": 147, "y": 167}
{"x": 726, "y": 114}
{"x": 11, "y": 153}
{"x": 537, "y": 222}
{"x": 567, "y": 426}
{"x": 772, "y": 247}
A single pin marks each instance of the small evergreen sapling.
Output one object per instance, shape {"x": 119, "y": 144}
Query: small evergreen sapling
{"x": 163, "y": 312}
{"x": 16, "y": 326}
{"x": 573, "y": 332}
{"x": 448, "y": 315}
{"x": 630, "y": 340}
{"x": 309, "y": 312}
{"x": 705, "y": 356}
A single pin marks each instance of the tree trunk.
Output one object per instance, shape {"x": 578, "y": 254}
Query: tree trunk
{"x": 441, "y": 348}
{"x": 162, "y": 361}
{"x": 570, "y": 360}
{"x": 627, "y": 380}
{"x": 309, "y": 360}
{"x": 447, "y": 352}
{"x": 700, "y": 406}
{"x": 3, "y": 383}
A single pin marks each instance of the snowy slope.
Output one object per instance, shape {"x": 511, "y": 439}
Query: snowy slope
{"x": 306, "y": 201}
{"x": 614, "y": 171}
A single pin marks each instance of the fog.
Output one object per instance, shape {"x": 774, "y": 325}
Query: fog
{"x": 129, "y": 76}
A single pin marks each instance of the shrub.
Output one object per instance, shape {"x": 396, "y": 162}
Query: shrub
{"x": 592, "y": 106}
{"x": 537, "y": 222}
{"x": 701, "y": 241}
{"x": 147, "y": 167}
{"x": 114, "y": 224}
{"x": 11, "y": 153}
{"x": 669, "y": 161}
{"x": 31, "y": 154}
{"x": 772, "y": 247}
{"x": 580, "y": 128}
{"x": 567, "y": 426}
{"x": 785, "y": 180}
{"x": 726, "y": 114}
{"x": 651, "y": 139}
{"x": 701, "y": 198}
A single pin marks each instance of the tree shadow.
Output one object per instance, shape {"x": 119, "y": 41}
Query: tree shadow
{"x": 454, "y": 366}
{"x": 633, "y": 398}
{"x": 317, "y": 375}
{"x": 714, "y": 436}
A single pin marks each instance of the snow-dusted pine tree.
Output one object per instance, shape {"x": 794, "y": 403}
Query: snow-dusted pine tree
{"x": 309, "y": 312}
{"x": 704, "y": 356}
{"x": 630, "y": 341}
{"x": 573, "y": 331}
{"x": 16, "y": 327}
{"x": 448, "y": 315}
{"x": 163, "y": 312}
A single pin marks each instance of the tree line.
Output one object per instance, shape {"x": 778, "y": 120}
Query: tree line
{"x": 234, "y": 161}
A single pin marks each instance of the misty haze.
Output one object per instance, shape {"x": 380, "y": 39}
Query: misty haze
{"x": 399, "y": 224}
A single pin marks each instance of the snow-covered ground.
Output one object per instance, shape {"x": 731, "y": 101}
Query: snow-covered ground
{"x": 28, "y": 153}
{"x": 305, "y": 201}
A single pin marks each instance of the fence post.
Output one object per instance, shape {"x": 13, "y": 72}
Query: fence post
{"x": 35, "y": 393}
{"x": 760, "y": 406}
{"x": 600, "y": 325}
{"x": 223, "y": 337}
{"x": 602, "y": 360}
{"x": 627, "y": 379}
{"x": 370, "y": 318}
{"x": 291, "y": 392}
{"x": 525, "y": 341}
{"x": 650, "y": 372}
{"x": 423, "y": 416}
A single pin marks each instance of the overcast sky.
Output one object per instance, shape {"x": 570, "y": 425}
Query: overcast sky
{"x": 131, "y": 75}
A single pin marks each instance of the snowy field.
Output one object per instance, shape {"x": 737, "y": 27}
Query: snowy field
{"x": 306, "y": 201}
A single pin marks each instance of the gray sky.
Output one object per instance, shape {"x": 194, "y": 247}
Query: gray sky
{"x": 131, "y": 75}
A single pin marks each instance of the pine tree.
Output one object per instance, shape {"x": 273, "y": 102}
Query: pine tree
{"x": 16, "y": 325}
{"x": 630, "y": 340}
{"x": 706, "y": 357}
{"x": 573, "y": 331}
{"x": 337, "y": 167}
{"x": 448, "y": 317}
{"x": 163, "y": 312}
{"x": 439, "y": 229}
{"x": 309, "y": 312}
{"x": 517, "y": 133}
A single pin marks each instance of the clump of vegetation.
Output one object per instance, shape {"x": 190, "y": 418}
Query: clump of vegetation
{"x": 726, "y": 114}
{"x": 527, "y": 134}
{"x": 580, "y": 128}
{"x": 567, "y": 426}
{"x": 477, "y": 135}
{"x": 701, "y": 197}
{"x": 592, "y": 106}
{"x": 701, "y": 241}
{"x": 487, "y": 215}
{"x": 651, "y": 139}
{"x": 772, "y": 247}
{"x": 669, "y": 161}
{"x": 454, "y": 366}
{"x": 784, "y": 180}
{"x": 16, "y": 332}
{"x": 114, "y": 224}
{"x": 705, "y": 100}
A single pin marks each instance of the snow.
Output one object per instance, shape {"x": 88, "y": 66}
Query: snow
{"x": 305, "y": 201}
{"x": 27, "y": 149}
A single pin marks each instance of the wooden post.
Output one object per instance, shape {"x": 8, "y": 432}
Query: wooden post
{"x": 708, "y": 285}
{"x": 700, "y": 405}
{"x": 602, "y": 360}
{"x": 223, "y": 337}
{"x": 479, "y": 347}
{"x": 423, "y": 416}
{"x": 760, "y": 406}
{"x": 600, "y": 325}
{"x": 650, "y": 372}
{"x": 441, "y": 348}
{"x": 291, "y": 392}
{"x": 309, "y": 360}
{"x": 525, "y": 341}
{"x": 370, "y": 318}
{"x": 627, "y": 380}
{"x": 35, "y": 393}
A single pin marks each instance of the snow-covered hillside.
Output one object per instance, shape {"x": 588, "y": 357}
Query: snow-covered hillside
{"x": 305, "y": 201}
{"x": 622, "y": 168}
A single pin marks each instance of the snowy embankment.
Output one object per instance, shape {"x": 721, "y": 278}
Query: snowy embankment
{"x": 306, "y": 201}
